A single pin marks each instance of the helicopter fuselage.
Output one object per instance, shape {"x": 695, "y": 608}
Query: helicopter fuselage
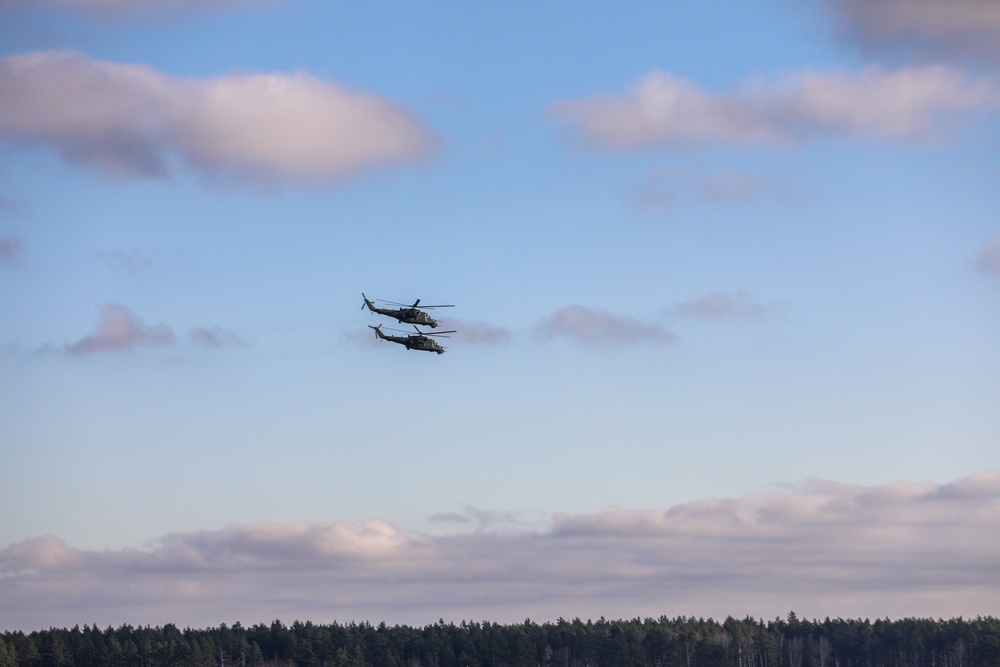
{"x": 408, "y": 315}
{"x": 414, "y": 342}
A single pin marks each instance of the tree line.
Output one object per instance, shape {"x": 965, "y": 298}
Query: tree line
{"x": 662, "y": 642}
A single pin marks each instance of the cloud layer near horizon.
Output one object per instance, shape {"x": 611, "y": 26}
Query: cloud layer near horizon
{"x": 901, "y": 549}
{"x": 130, "y": 120}
{"x": 664, "y": 109}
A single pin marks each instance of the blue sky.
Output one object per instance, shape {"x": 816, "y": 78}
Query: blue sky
{"x": 723, "y": 273}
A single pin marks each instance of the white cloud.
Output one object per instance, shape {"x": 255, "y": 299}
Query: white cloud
{"x": 131, "y": 120}
{"x": 663, "y": 109}
{"x": 956, "y": 28}
{"x": 596, "y": 326}
{"x": 823, "y": 549}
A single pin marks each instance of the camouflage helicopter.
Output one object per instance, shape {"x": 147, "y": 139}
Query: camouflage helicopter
{"x": 418, "y": 341}
{"x": 405, "y": 314}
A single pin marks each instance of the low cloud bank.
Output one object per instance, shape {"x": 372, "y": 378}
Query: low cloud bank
{"x": 824, "y": 549}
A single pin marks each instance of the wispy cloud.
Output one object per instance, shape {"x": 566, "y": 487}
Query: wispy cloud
{"x": 130, "y": 120}
{"x": 119, "y": 330}
{"x": 659, "y": 189}
{"x": 725, "y": 306}
{"x": 10, "y": 248}
{"x": 478, "y": 333}
{"x": 491, "y": 521}
{"x": 122, "y": 261}
{"x": 596, "y": 326}
{"x": 216, "y": 337}
{"x": 120, "y": 9}
{"x": 6, "y": 205}
{"x": 663, "y": 109}
{"x": 989, "y": 256}
{"x": 823, "y": 548}
{"x": 957, "y": 28}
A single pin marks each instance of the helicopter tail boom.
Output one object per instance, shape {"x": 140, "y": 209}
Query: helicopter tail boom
{"x": 368, "y": 303}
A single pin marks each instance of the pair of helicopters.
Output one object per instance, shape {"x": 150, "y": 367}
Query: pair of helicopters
{"x": 409, "y": 314}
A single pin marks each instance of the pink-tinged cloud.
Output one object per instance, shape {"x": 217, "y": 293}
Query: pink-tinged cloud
{"x": 216, "y": 337}
{"x": 130, "y": 120}
{"x": 119, "y": 330}
{"x": 966, "y": 29}
{"x": 596, "y": 326}
{"x": 663, "y": 109}
{"x": 119, "y": 9}
{"x": 723, "y": 306}
{"x": 823, "y": 549}
{"x": 989, "y": 256}
{"x": 10, "y": 248}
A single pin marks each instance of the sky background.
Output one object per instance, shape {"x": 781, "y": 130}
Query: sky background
{"x": 726, "y": 280}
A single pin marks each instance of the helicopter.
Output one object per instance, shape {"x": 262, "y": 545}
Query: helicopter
{"x": 418, "y": 341}
{"x": 405, "y": 314}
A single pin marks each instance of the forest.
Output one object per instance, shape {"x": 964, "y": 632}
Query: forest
{"x": 662, "y": 642}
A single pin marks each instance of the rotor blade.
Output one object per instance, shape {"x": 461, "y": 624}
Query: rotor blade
{"x": 413, "y": 305}
{"x": 439, "y": 333}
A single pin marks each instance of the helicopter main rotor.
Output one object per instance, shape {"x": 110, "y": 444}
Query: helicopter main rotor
{"x": 443, "y": 334}
{"x": 414, "y": 305}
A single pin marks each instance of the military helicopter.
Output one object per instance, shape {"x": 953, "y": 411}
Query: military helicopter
{"x": 405, "y": 314}
{"x": 418, "y": 341}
